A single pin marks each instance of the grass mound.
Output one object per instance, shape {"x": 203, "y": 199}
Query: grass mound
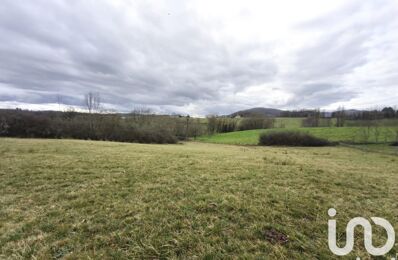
{"x": 291, "y": 138}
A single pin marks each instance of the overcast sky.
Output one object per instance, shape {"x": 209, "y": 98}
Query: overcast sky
{"x": 199, "y": 57}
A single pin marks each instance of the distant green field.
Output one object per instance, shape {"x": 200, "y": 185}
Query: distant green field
{"x": 280, "y": 122}
{"x": 288, "y": 122}
{"x": 297, "y": 122}
{"x": 381, "y": 122}
{"x": 348, "y": 134}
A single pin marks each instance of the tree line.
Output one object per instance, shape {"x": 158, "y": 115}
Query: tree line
{"x": 131, "y": 127}
{"x": 370, "y": 114}
{"x": 140, "y": 125}
{"x": 225, "y": 124}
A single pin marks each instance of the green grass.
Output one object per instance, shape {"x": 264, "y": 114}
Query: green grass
{"x": 82, "y": 199}
{"x": 288, "y": 122}
{"x": 348, "y": 134}
{"x": 381, "y": 122}
{"x": 297, "y": 122}
{"x": 280, "y": 122}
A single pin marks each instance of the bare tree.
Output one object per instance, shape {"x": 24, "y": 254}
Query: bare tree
{"x": 376, "y": 132}
{"x": 141, "y": 115}
{"x": 313, "y": 119}
{"x": 187, "y": 127}
{"x": 340, "y": 117}
{"x": 211, "y": 124}
{"x": 92, "y": 101}
{"x": 3, "y": 126}
{"x": 59, "y": 101}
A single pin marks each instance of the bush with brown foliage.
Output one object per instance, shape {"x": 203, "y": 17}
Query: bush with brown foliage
{"x": 107, "y": 127}
{"x": 291, "y": 138}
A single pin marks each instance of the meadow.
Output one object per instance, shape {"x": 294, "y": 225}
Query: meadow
{"x": 288, "y": 122}
{"x": 92, "y": 199}
{"x": 335, "y": 134}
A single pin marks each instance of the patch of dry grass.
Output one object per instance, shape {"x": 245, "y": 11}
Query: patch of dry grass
{"x": 81, "y": 199}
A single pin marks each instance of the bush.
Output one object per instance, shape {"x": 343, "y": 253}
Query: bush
{"x": 291, "y": 138}
{"x": 106, "y": 127}
{"x": 394, "y": 144}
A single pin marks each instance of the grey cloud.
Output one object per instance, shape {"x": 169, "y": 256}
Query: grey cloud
{"x": 167, "y": 57}
{"x": 73, "y": 48}
{"x": 342, "y": 44}
{"x": 321, "y": 94}
{"x": 334, "y": 55}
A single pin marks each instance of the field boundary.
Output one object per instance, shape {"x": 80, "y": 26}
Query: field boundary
{"x": 362, "y": 148}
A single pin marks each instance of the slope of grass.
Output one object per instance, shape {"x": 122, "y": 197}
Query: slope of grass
{"x": 348, "y": 134}
{"x": 81, "y": 199}
{"x": 381, "y": 122}
{"x": 288, "y": 122}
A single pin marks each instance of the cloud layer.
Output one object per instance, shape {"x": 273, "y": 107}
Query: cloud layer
{"x": 199, "y": 57}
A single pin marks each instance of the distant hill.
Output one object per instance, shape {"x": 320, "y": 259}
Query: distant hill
{"x": 258, "y": 111}
{"x": 353, "y": 111}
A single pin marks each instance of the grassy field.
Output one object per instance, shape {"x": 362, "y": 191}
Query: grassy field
{"x": 348, "y": 134}
{"x": 288, "y": 122}
{"x": 381, "y": 122}
{"x": 82, "y": 199}
{"x": 377, "y": 148}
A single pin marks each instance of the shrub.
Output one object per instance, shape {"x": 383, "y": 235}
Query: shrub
{"x": 109, "y": 127}
{"x": 291, "y": 138}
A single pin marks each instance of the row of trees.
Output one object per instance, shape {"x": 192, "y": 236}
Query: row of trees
{"x": 96, "y": 124}
{"x": 299, "y": 113}
{"x": 132, "y": 127}
{"x": 111, "y": 127}
{"x": 226, "y": 124}
{"x": 316, "y": 118}
{"x": 143, "y": 126}
{"x": 372, "y": 114}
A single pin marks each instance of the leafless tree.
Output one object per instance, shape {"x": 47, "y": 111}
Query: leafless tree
{"x": 211, "y": 124}
{"x": 313, "y": 119}
{"x": 92, "y": 101}
{"x": 59, "y": 101}
{"x": 187, "y": 127}
{"x": 376, "y": 132}
{"x": 3, "y": 126}
{"x": 141, "y": 114}
{"x": 340, "y": 117}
